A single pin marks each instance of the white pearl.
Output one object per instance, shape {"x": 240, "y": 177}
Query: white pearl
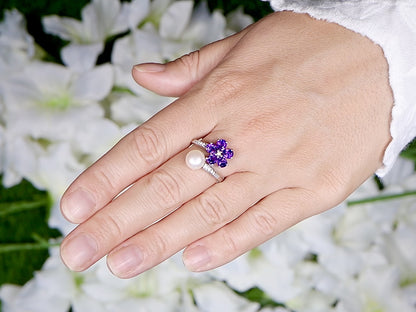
{"x": 195, "y": 159}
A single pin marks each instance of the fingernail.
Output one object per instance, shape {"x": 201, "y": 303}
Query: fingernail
{"x": 79, "y": 251}
{"x": 150, "y": 67}
{"x": 78, "y": 205}
{"x": 196, "y": 258}
{"x": 125, "y": 262}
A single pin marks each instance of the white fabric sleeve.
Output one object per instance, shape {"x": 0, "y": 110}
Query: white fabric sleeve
{"x": 392, "y": 25}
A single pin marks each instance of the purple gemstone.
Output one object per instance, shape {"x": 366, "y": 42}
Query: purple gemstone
{"x": 211, "y": 148}
{"x": 221, "y": 143}
{"x": 228, "y": 154}
{"x": 211, "y": 159}
{"x": 222, "y": 163}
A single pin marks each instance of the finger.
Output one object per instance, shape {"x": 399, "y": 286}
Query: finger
{"x": 145, "y": 202}
{"x": 199, "y": 217}
{"x": 137, "y": 154}
{"x": 271, "y": 216}
{"x": 177, "y": 77}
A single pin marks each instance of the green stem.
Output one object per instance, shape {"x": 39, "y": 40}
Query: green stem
{"x": 15, "y": 207}
{"x": 380, "y": 198}
{"x": 25, "y": 246}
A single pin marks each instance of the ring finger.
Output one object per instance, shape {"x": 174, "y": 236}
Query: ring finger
{"x": 214, "y": 208}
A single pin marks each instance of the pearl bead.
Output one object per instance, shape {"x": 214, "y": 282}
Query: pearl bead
{"x": 195, "y": 159}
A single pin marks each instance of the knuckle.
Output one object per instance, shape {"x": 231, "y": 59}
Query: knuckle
{"x": 331, "y": 187}
{"x": 227, "y": 84}
{"x": 212, "y": 210}
{"x": 265, "y": 223}
{"x": 165, "y": 188}
{"x": 108, "y": 226}
{"x": 230, "y": 85}
{"x": 105, "y": 179}
{"x": 230, "y": 243}
{"x": 149, "y": 145}
{"x": 191, "y": 62}
{"x": 159, "y": 245}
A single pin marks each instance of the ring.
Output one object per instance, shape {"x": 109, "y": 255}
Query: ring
{"x": 218, "y": 154}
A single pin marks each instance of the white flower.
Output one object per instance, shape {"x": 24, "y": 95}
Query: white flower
{"x": 138, "y": 11}
{"x": 127, "y": 108}
{"x": 163, "y": 288}
{"x": 278, "y": 309}
{"x": 237, "y": 21}
{"x": 47, "y": 100}
{"x": 398, "y": 248}
{"x": 375, "y": 289}
{"x": 216, "y": 296}
{"x": 171, "y": 31}
{"x": 401, "y": 170}
{"x": 55, "y": 289}
{"x": 312, "y": 281}
{"x": 340, "y": 238}
{"x": 270, "y": 267}
{"x": 312, "y": 301}
{"x": 176, "y": 19}
{"x": 18, "y": 159}
{"x": 101, "y": 19}
{"x": 17, "y": 47}
{"x": 47, "y": 104}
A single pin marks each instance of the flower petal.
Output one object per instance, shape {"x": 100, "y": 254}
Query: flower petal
{"x": 138, "y": 10}
{"x": 216, "y": 296}
{"x": 94, "y": 85}
{"x": 101, "y": 19}
{"x": 175, "y": 19}
{"x": 81, "y": 57}
{"x": 63, "y": 27}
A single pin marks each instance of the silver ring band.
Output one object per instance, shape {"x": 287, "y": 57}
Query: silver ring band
{"x": 212, "y": 172}
{"x": 218, "y": 154}
{"x": 200, "y": 143}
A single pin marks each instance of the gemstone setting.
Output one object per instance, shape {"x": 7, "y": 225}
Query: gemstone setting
{"x": 218, "y": 153}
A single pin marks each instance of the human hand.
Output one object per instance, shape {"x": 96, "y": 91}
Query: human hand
{"x": 304, "y": 104}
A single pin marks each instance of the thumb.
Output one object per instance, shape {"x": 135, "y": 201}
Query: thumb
{"x": 177, "y": 77}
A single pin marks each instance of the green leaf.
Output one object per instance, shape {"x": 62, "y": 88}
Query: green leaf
{"x": 255, "y": 294}
{"x": 410, "y": 151}
{"x": 380, "y": 198}
{"x": 24, "y": 232}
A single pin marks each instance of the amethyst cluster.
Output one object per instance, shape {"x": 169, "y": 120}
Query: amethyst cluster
{"x": 218, "y": 153}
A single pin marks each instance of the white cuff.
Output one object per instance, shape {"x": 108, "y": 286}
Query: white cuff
{"x": 392, "y": 25}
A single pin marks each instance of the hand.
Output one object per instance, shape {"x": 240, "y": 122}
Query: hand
{"x": 304, "y": 104}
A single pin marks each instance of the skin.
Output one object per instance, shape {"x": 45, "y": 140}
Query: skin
{"x": 304, "y": 104}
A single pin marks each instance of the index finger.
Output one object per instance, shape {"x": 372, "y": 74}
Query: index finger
{"x": 137, "y": 154}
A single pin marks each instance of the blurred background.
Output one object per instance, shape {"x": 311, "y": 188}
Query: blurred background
{"x": 357, "y": 257}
